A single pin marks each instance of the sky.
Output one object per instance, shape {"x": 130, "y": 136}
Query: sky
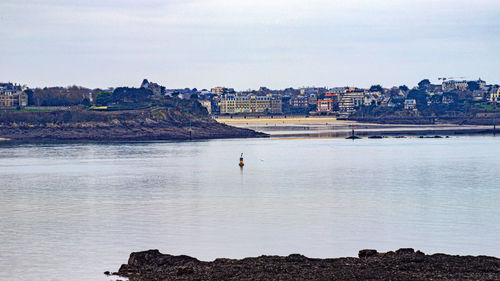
{"x": 247, "y": 44}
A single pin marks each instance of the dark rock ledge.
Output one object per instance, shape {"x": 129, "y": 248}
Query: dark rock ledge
{"x": 403, "y": 264}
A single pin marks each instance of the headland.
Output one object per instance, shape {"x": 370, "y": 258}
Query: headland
{"x": 186, "y": 121}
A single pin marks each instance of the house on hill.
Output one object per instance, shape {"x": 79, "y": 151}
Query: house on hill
{"x": 157, "y": 90}
{"x": 12, "y": 96}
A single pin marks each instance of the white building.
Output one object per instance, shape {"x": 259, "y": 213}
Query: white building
{"x": 410, "y": 104}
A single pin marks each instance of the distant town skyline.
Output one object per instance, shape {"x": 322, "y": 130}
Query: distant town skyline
{"x": 247, "y": 44}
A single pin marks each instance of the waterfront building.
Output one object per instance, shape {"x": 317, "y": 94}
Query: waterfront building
{"x": 349, "y": 102}
{"x": 324, "y": 106}
{"x": 232, "y": 103}
{"x": 299, "y": 102}
{"x": 276, "y": 105}
{"x": 328, "y": 103}
{"x": 236, "y": 103}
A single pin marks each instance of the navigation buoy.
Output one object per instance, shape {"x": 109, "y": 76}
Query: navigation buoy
{"x": 241, "y": 164}
{"x": 352, "y": 136}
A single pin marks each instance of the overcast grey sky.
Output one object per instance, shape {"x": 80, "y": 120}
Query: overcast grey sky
{"x": 247, "y": 44}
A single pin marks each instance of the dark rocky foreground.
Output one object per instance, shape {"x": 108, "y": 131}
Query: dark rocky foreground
{"x": 404, "y": 264}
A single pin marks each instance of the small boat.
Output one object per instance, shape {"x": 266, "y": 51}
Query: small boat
{"x": 241, "y": 164}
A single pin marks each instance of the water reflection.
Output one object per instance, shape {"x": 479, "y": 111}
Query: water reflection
{"x": 87, "y": 206}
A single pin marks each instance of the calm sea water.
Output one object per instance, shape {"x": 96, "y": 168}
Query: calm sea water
{"x": 72, "y": 211}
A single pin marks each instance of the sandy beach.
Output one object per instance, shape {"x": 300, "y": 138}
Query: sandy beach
{"x": 327, "y": 126}
{"x": 317, "y": 120}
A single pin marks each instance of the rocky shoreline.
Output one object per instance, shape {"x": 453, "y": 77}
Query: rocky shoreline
{"x": 116, "y": 126}
{"x": 403, "y": 264}
{"x": 130, "y": 131}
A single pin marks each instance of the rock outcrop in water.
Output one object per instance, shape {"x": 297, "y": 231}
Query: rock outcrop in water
{"x": 404, "y": 264}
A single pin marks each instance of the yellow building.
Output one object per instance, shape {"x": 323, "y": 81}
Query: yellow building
{"x": 451, "y": 85}
{"x": 12, "y": 99}
{"x": 234, "y": 103}
{"x": 495, "y": 95}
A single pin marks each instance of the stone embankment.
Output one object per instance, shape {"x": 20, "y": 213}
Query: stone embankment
{"x": 403, "y": 264}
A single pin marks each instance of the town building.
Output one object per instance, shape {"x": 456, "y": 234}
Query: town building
{"x": 218, "y": 91}
{"x": 387, "y": 102}
{"x": 324, "y": 106}
{"x": 312, "y": 99}
{"x": 481, "y": 94}
{"x": 276, "y": 105}
{"x": 349, "y": 102}
{"x": 154, "y": 87}
{"x": 328, "y": 103}
{"x": 236, "y": 103}
{"x": 372, "y": 98}
{"x": 338, "y": 90}
{"x": 12, "y": 96}
{"x": 334, "y": 97}
{"x": 299, "y": 102}
{"x": 410, "y": 104}
{"x": 495, "y": 95}
{"x": 451, "y": 85}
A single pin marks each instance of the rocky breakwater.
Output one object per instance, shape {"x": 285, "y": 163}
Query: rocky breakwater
{"x": 133, "y": 125}
{"x": 403, "y": 264}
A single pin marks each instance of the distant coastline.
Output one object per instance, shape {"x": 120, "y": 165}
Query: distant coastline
{"x": 153, "y": 112}
{"x": 154, "y": 125}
